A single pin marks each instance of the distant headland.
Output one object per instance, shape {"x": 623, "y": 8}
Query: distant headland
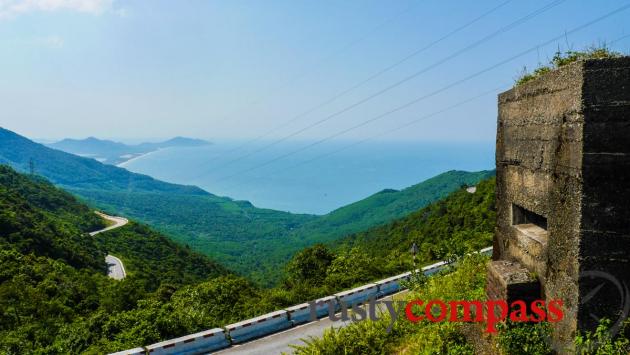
{"x": 116, "y": 153}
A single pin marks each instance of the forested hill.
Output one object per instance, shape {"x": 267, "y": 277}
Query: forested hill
{"x": 389, "y": 205}
{"x": 252, "y": 241}
{"x": 53, "y": 282}
{"x": 59, "y": 300}
{"x": 69, "y": 170}
{"x": 216, "y": 226}
{"x": 38, "y": 218}
{"x": 460, "y": 223}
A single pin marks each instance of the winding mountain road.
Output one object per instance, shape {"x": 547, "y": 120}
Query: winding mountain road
{"x": 118, "y": 222}
{"x": 115, "y": 267}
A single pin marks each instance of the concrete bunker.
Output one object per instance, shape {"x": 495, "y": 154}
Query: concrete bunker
{"x": 563, "y": 194}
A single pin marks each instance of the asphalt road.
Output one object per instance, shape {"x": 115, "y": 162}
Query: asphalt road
{"x": 279, "y": 342}
{"x": 118, "y": 222}
{"x": 115, "y": 267}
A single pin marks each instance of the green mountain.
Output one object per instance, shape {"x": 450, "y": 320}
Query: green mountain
{"x": 252, "y": 241}
{"x": 35, "y": 217}
{"x": 217, "y": 226}
{"x": 54, "y": 293}
{"x": 460, "y": 223}
{"x": 388, "y": 205}
{"x": 110, "y": 152}
{"x": 57, "y": 299}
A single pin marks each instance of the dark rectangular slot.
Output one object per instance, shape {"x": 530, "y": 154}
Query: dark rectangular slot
{"x": 521, "y": 215}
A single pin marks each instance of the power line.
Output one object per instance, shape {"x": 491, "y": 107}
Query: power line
{"x": 619, "y": 39}
{"x": 368, "y": 79}
{"x": 344, "y": 49}
{"x": 412, "y": 76}
{"x": 405, "y": 125}
{"x": 404, "y": 80}
{"x": 442, "y": 89}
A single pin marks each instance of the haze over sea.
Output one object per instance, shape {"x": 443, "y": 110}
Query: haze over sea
{"x": 318, "y": 186}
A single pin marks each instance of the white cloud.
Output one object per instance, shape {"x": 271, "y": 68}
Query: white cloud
{"x": 12, "y": 8}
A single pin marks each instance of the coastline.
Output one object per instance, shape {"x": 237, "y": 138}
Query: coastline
{"x": 124, "y": 163}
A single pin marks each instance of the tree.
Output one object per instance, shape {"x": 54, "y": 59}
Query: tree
{"x": 310, "y": 265}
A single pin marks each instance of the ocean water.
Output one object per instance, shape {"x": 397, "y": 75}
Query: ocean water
{"x": 313, "y": 180}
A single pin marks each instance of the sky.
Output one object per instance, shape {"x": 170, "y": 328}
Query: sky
{"x": 221, "y": 70}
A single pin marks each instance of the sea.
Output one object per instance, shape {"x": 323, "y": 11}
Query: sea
{"x": 309, "y": 176}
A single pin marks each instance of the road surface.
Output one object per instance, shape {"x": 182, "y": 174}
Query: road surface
{"x": 279, "y": 342}
{"x": 118, "y": 222}
{"x": 115, "y": 267}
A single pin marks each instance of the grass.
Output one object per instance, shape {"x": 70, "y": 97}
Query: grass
{"x": 561, "y": 59}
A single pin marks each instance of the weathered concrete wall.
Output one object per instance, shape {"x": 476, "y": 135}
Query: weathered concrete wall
{"x": 507, "y": 280}
{"x": 563, "y": 144}
{"x": 605, "y": 221}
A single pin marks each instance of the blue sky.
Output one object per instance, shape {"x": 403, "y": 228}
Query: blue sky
{"x": 236, "y": 69}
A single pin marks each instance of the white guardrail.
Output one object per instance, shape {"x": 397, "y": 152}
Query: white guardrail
{"x": 221, "y": 338}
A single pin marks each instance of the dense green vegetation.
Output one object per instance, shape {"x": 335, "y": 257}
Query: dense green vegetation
{"x": 602, "y": 342}
{"x": 54, "y": 304}
{"x": 56, "y": 297}
{"x": 388, "y": 205}
{"x": 523, "y": 338}
{"x": 152, "y": 257}
{"x": 252, "y": 241}
{"x": 54, "y": 294}
{"x": 37, "y": 217}
{"x": 246, "y": 239}
{"x": 460, "y": 223}
{"x": 561, "y": 59}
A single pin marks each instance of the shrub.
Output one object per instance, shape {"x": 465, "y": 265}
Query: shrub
{"x": 602, "y": 342}
{"x": 525, "y": 338}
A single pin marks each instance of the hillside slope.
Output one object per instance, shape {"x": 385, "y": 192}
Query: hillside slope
{"x": 36, "y": 217}
{"x": 59, "y": 300}
{"x": 39, "y": 218}
{"x": 214, "y": 225}
{"x": 459, "y": 223}
{"x": 389, "y": 205}
{"x": 253, "y": 241}
{"x": 54, "y": 292}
